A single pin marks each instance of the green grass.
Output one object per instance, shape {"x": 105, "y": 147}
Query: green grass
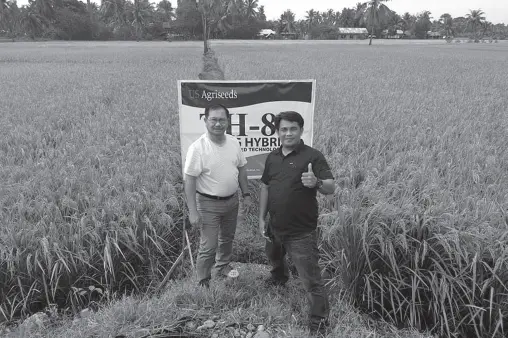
{"x": 233, "y": 303}
{"x": 90, "y": 192}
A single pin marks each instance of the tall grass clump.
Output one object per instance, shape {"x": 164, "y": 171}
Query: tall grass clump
{"x": 72, "y": 250}
{"x": 412, "y": 271}
{"x": 421, "y": 240}
{"x": 90, "y": 204}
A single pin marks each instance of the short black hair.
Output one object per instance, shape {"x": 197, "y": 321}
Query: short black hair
{"x": 214, "y": 107}
{"x": 290, "y": 116}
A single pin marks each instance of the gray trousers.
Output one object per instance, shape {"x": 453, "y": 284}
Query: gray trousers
{"x": 219, "y": 219}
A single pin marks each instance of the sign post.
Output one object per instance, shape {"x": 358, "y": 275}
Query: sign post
{"x": 252, "y": 106}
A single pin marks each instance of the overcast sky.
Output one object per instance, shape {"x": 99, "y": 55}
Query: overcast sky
{"x": 496, "y": 11}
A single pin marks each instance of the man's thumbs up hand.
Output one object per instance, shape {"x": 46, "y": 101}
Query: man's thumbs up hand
{"x": 309, "y": 180}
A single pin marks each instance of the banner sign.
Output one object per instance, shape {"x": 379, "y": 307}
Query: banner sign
{"x": 252, "y": 106}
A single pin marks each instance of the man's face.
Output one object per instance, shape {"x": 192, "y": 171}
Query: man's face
{"x": 217, "y": 121}
{"x": 290, "y": 133}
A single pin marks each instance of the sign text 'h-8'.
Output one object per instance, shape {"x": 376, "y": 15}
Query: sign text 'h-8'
{"x": 252, "y": 106}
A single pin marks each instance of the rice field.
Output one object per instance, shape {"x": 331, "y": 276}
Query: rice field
{"x": 416, "y": 133}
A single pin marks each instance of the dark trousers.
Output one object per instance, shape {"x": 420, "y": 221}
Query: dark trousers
{"x": 304, "y": 253}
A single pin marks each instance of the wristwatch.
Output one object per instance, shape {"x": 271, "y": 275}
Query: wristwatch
{"x": 246, "y": 194}
{"x": 319, "y": 183}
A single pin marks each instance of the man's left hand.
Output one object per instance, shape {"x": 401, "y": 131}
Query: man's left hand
{"x": 309, "y": 180}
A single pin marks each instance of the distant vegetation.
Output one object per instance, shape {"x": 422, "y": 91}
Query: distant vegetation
{"x": 230, "y": 19}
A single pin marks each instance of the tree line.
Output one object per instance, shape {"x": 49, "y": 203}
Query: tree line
{"x": 224, "y": 19}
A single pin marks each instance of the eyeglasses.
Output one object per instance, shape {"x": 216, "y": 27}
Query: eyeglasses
{"x": 221, "y": 121}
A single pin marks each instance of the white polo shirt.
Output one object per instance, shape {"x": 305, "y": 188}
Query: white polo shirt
{"x": 216, "y": 167}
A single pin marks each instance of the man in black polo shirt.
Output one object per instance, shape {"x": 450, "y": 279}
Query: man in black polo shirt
{"x": 292, "y": 176}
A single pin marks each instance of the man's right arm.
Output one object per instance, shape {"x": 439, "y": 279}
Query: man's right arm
{"x": 263, "y": 201}
{"x": 192, "y": 169}
{"x": 263, "y": 210}
{"x": 190, "y": 193}
{"x": 263, "y": 194}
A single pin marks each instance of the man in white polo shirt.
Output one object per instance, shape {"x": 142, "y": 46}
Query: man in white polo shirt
{"x": 214, "y": 169}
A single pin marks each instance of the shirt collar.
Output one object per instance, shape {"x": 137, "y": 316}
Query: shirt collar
{"x": 297, "y": 149}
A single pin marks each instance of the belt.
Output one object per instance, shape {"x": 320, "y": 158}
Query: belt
{"x": 219, "y": 198}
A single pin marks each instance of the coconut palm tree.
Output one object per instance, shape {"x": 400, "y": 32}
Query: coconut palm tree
{"x": 166, "y": 10}
{"x": 114, "y": 12}
{"x": 347, "y": 18}
{"x": 310, "y": 19}
{"x": 319, "y": 17}
{"x": 220, "y": 21}
{"x": 358, "y": 14}
{"x": 261, "y": 13}
{"x": 425, "y": 21}
{"x": 487, "y": 29}
{"x": 426, "y": 17}
{"x": 475, "y": 18}
{"x": 214, "y": 14}
{"x": 394, "y": 23}
{"x": 45, "y": 8}
{"x": 408, "y": 22}
{"x": 5, "y": 11}
{"x": 372, "y": 13}
{"x": 32, "y": 21}
{"x": 301, "y": 27}
{"x": 237, "y": 10}
{"x": 287, "y": 22}
{"x": 446, "y": 21}
{"x": 337, "y": 15}
{"x": 4, "y": 6}
{"x": 206, "y": 7}
{"x": 141, "y": 12}
{"x": 329, "y": 17}
{"x": 443, "y": 18}
{"x": 10, "y": 15}
{"x": 89, "y": 9}
{"x": 251, "y": 9}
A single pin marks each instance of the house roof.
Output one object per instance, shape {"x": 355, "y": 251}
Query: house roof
{"x": 398, "y": 31}
{"x": 347, "y": 30}
{"x": 266, "y": 32}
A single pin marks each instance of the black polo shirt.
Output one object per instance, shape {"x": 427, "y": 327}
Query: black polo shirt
{"x": 293, "y": 208}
